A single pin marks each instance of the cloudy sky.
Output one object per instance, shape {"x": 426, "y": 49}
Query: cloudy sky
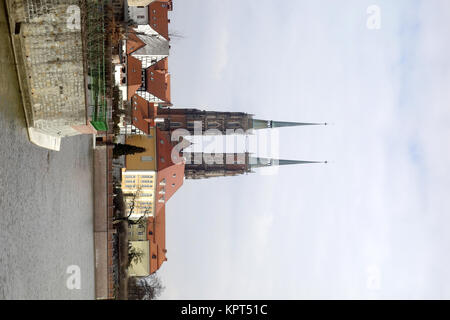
{"x": 370, "y": 224}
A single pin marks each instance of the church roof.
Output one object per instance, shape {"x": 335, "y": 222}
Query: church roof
{"x": 256, "y": 162}
{"x": 264, "y": 124}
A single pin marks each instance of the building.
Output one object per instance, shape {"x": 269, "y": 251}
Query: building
{"x": 166, "y": 178}
{"x": 151, "y": 242}
{"x": 152, "y": 18}
{"x": 195, "y": 121}
{"x": 139, "y": 188}
{"x": 146, "y": 79}
{"x": 139, "y": 2}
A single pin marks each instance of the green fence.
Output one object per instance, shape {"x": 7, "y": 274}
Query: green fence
{"x": 95, "y": 33}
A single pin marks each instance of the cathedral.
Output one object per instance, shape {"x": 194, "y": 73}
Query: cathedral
{"x": 197, "y": 122}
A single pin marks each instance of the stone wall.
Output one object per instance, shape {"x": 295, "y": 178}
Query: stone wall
{"x": 51, "y": 57}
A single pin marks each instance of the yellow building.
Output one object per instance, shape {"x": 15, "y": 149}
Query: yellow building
{"x": 137, "y": 232}
{"x": 139, "y": 176}
{"x": 138, "y": 188}
{"x": 145, "y": 160}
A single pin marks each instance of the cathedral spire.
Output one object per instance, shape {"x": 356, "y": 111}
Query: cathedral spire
{"x": 256, "y": 162}
{"x": 264, "y": 124}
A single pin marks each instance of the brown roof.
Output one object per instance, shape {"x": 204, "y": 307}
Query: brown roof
{"x": 158, "y": 16}
{"x": 134, "y": 75}
{"x": 169, "y": 180}
{"x": 158, "y": 80}
{"x": 141, "y": 113}
{"x": 133, "y": 43}
{"x": 156, "y": 227}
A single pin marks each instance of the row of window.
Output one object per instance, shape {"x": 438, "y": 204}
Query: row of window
{"x": 190, "y": 125}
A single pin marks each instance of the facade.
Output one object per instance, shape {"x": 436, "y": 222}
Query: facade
{"x": 145, "y": 161}
{"x": 139, "y": 192}
{"x": 141, "y": 268}
{"x": 166, "y": 178}
{"x": 137, "y": 232}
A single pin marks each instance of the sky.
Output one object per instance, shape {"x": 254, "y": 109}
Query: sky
{"x": 370, "y": 224}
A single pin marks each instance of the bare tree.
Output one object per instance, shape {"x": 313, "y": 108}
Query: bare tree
{"x": 134, "y": 255}
{"x": 146, "y": 288}
{"x": 142, "y": 220}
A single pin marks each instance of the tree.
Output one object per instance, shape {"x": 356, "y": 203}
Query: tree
{"x": 146, "y": 288}
{"x": 123, "y": 149}
{"x": 120, "y": 205}
{"x": 134, "y": 255}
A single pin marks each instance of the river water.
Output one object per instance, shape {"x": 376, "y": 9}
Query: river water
{"x": 46, "y": 202}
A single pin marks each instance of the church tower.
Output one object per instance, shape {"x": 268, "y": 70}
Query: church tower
{"x": 201, "y": 165}
{"x": 171, "y": 119}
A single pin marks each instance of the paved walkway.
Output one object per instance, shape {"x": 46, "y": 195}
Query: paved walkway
{"x": 46, "y": 202}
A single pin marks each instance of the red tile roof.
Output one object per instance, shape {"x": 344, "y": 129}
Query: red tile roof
{"x": 158, "y": 16}
{"x": 169, "y": 180}
{"x": 133, "y": 43}
{"x": 134, "y": 76}
{"x": 143, "y": 113}
{"x": 156, "y": 228}
{"x": 158, "y": 80}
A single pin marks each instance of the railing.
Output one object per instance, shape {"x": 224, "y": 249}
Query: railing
{"x": 96, "y": 38}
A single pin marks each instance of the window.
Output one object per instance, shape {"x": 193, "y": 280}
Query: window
{"x": 141, "y": 17}
{"x": 146, "y": 158}
{"x": 161, "y": 141}
{"x": 154, "y": 256}
{"x": 163, "y": 182}
{"x": 162, "y": 160}
{"x": 174, "y": 175}
{"x": 213, "y": 125}
{"x": 150, "y": 232}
